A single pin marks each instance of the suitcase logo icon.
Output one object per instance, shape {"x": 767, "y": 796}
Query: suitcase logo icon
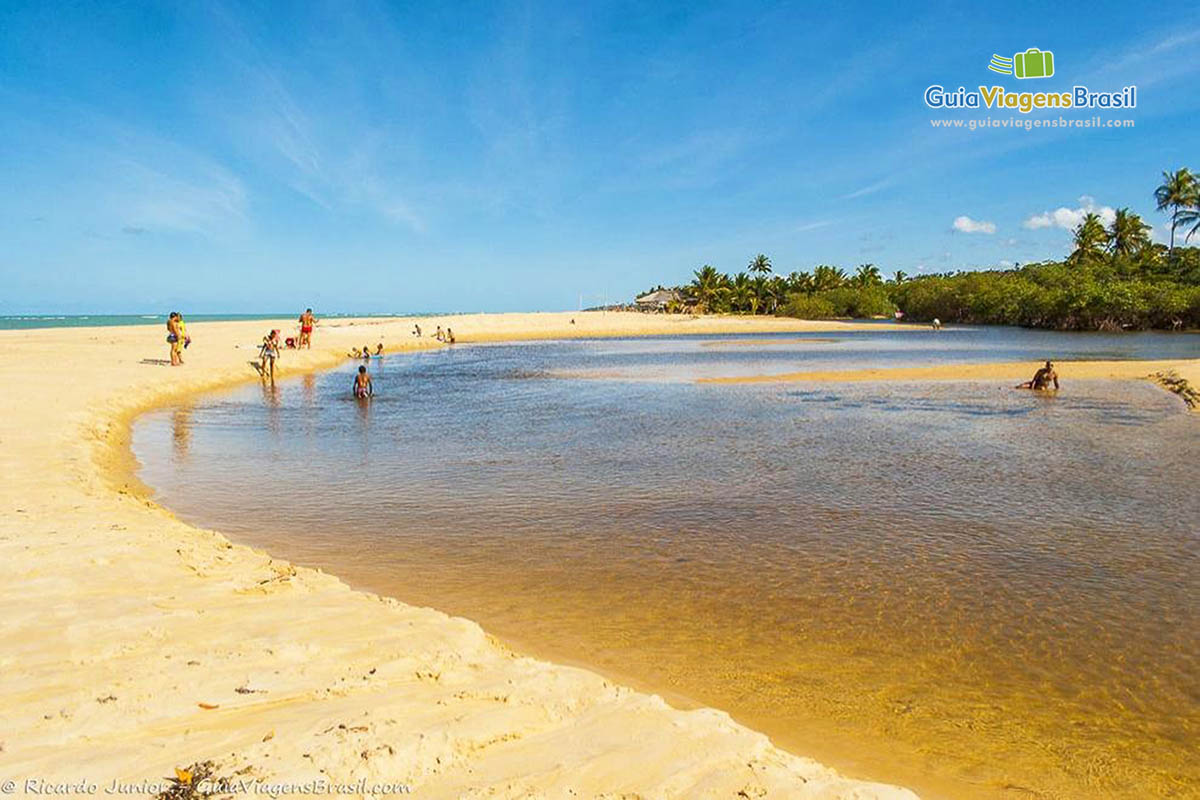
{"x": 1033, "y": 63}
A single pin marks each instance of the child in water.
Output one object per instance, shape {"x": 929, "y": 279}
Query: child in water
{"x": 363, "y": 387}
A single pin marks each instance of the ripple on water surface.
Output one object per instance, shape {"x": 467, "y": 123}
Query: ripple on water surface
{"x": 968, "y": 589}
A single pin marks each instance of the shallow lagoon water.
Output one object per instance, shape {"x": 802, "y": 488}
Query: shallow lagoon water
{"x": 970, "y": 590}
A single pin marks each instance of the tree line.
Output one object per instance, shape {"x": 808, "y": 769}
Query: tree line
{"x": 1114, "y": 278}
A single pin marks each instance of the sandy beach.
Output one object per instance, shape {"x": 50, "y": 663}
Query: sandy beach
{"x": 137, "y": 644}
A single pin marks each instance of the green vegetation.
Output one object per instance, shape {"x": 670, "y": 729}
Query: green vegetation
{"x": 1115, "y": 278}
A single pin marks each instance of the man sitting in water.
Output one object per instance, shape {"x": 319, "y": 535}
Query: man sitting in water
{"x": 1041, "y": 379}
{"x": 363, "y": 387}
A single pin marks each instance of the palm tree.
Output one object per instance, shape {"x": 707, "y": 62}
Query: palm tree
{"x": 708, "y": 287}
{"x": 1191, "y": 214}
{"x": 1128, "y": 234}
{"x": 777, "y": 292}
{"x": 741, "y": 293}
{"x": 1177, "y": 191}
{"x": 1090, "y": 238}
{"x": 760, "y": 265}
{"x": 901, "y": 277}
{"x": 867, "y": 275}
{"x": 800, "y": 282}
{"x": 766, "y": 293}
{"x": 827, "y": 277}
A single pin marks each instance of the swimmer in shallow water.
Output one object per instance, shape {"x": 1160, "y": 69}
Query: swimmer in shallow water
{"x": 1041, "y": 380}
{"x": 363, "y": 388}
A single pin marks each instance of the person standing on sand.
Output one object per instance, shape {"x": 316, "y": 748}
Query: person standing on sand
{"x": 1041, "y": 379}
{"x": 307, "y": 321}
{"x": 184, "y": 339}
{"x": 268, "y": 353}
{"x": 174, "y": 339}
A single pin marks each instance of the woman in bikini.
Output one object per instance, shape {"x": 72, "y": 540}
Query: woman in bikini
{"x": 268, "y": 353}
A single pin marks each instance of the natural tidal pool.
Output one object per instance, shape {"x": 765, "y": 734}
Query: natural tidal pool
{"x": 966, "y": 589}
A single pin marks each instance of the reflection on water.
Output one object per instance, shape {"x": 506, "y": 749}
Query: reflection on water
{"x": 971, "y": 590}
{"x": 181, "y": 432}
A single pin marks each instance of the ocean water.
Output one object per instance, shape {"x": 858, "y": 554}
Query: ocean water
{"x": 31, "y": 321}
{"x": 970, "y": 590}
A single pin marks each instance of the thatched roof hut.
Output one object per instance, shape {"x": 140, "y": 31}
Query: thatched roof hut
{"x": 657, "y": 300}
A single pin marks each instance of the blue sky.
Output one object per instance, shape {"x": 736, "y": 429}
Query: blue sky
{"x": 513, "y": 156}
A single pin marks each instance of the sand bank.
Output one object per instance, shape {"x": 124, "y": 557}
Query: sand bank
{"x": 1188, "y": 370}
{"x": 133, "y": 643}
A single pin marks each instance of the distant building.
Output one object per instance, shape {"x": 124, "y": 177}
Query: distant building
{"x": 657, "y": 300}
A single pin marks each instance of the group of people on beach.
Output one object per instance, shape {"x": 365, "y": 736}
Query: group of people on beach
{"x": 446, "y": 336}
{"x": 365, "y": 352}
{"x": 268, "y": 352}
{"x": 178, "y": 339}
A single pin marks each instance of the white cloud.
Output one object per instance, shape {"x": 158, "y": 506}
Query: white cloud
{"x": 1069, "y": 218}
{"x": 965, "y": 224}
{"x": 869, "y": 189}
{"x": 207, "y": 200}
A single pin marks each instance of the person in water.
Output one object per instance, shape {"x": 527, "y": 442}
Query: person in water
{"x": 307, "y": 321}
{"x": 1041, "y": 379}
{"x": 441, "y": 337}
{"x": 363, "y": 388}
{"x": 379, "y": 349}
{"x": 366, "y": 351}
{"x": 449, "y": 336}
